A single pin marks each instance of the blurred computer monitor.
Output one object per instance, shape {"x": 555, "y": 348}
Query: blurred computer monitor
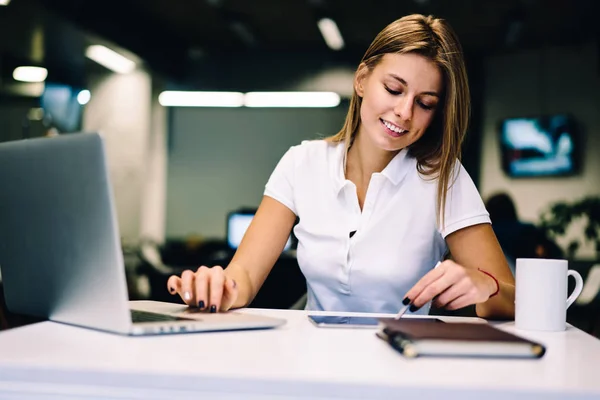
{"x": 237, "y": 224}
{"x": 540, "y": 146}
{"x": 61, "y": 107}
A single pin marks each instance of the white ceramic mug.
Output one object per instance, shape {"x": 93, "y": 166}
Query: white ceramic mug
{"x": 541, "y": 293}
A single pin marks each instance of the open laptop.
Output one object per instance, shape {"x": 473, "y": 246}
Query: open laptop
{"x": 60, "y": 252}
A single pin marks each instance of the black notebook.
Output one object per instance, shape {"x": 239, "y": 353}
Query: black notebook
{"x": 416, "y": 338}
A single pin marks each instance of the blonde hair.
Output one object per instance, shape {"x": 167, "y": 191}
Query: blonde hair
{"x": 438, "y": 150}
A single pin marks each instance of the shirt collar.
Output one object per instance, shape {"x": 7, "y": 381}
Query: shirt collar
{"x": 395, "y": 171}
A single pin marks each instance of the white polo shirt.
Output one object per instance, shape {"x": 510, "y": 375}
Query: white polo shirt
{"x": 397, "y": 237}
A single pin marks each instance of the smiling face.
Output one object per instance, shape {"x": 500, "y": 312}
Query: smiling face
{"x": 400, "y": 97}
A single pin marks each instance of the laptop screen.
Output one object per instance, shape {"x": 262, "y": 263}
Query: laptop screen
{"x": 237, "y": 224}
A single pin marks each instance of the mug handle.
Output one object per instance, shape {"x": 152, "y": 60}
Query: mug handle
{"x": 578, "y": 286}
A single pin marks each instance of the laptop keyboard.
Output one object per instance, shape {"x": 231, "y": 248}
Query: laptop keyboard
{"x": 145, "y": 316}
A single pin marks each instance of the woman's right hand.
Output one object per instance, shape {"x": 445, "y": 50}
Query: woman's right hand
{"x": 208, "y": 288}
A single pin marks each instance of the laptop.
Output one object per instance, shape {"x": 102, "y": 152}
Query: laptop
{"x": 60, "y": 252}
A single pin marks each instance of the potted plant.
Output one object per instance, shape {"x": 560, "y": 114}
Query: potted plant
{"x": 559, "y": 217}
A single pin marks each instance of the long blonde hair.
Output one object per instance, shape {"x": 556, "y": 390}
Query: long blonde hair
{"x": 438, "y": 150}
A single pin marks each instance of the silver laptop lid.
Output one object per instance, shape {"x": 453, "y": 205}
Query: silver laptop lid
{"x": 60, "y": 254}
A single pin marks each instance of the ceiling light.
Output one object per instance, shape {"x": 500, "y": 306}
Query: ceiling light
{"x": 110, "y": 59}
{"x": 292, "y": 99}
{"x": 201, "y": 99}
{"x": 84, "y": 97}
{"x": 30, "y": 74}
{"x": 4, "y": 2}
{"x": 331, "y": 33}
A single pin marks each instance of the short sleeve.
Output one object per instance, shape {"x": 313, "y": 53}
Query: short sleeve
{"x": 280, "y": 185}
{"x": 464, "y": 206}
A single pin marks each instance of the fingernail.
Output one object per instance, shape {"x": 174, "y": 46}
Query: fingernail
{"x": 405, "y": 301}
{"x": 234, "y": 283}
{"x": 171, "y": 290}
{"x": 213, "y": 309}
{"x": 413, "y": 308}
{"x": 201, "y": 304}
{"x": 187, "y": 296}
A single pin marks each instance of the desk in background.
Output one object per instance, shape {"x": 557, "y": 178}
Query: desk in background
{"x": 297, "y": 361}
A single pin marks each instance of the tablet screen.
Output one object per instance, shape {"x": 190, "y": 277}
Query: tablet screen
{"x": 337, "y": 320}
{"x": 347, "y": 321}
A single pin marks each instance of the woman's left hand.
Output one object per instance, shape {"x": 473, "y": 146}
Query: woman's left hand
{"x": 451, "y": 286}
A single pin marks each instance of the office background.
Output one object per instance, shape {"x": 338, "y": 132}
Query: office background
{"x": 178, "y": 171}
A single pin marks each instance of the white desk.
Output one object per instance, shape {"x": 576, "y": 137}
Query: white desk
{"x": 297, "y": 361}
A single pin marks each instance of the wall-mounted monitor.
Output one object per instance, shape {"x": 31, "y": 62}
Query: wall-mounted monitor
{"x": 61, "y": 106}
{"x": 539, "y": 146}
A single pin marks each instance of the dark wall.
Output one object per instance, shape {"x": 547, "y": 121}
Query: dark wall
{"x": 472, "y": 148}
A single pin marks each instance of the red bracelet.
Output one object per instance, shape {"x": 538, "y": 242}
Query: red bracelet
{"x": 495, "y": 280}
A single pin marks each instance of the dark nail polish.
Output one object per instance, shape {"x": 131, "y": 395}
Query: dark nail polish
{"x": 213, "y": 309}
{"x": 171, "y": 290}
{"x": 201, "y": 304}
{"x": 405, "y": 301}
{"x": 413, "y": 308}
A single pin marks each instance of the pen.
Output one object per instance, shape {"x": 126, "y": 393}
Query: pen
{"x": 404, "y": 309}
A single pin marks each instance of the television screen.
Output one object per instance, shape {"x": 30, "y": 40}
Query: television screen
{"x": 61, "y": 106}
{"x": 542, "y": 146}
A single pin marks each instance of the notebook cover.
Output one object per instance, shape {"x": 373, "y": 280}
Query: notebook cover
{"x": 415, "y": 330}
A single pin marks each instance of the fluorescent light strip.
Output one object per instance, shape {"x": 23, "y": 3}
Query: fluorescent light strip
{"x": 30, "y": 74}
{"x": 110, "y": 59}
{"x": 331, "y": 33}
{"x": 201, "y": 99}
{"x": 292, "y": 99}
{"x": 251, "y": 99}
{"x": 4, "y": 2}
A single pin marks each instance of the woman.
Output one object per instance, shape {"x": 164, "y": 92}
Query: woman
{"x": 381, "y": 202}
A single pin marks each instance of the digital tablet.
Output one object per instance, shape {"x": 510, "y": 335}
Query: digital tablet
{"x": 336, "y": 321}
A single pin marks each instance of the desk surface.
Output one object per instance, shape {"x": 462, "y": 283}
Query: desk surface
{"x": 298, "y": 360}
